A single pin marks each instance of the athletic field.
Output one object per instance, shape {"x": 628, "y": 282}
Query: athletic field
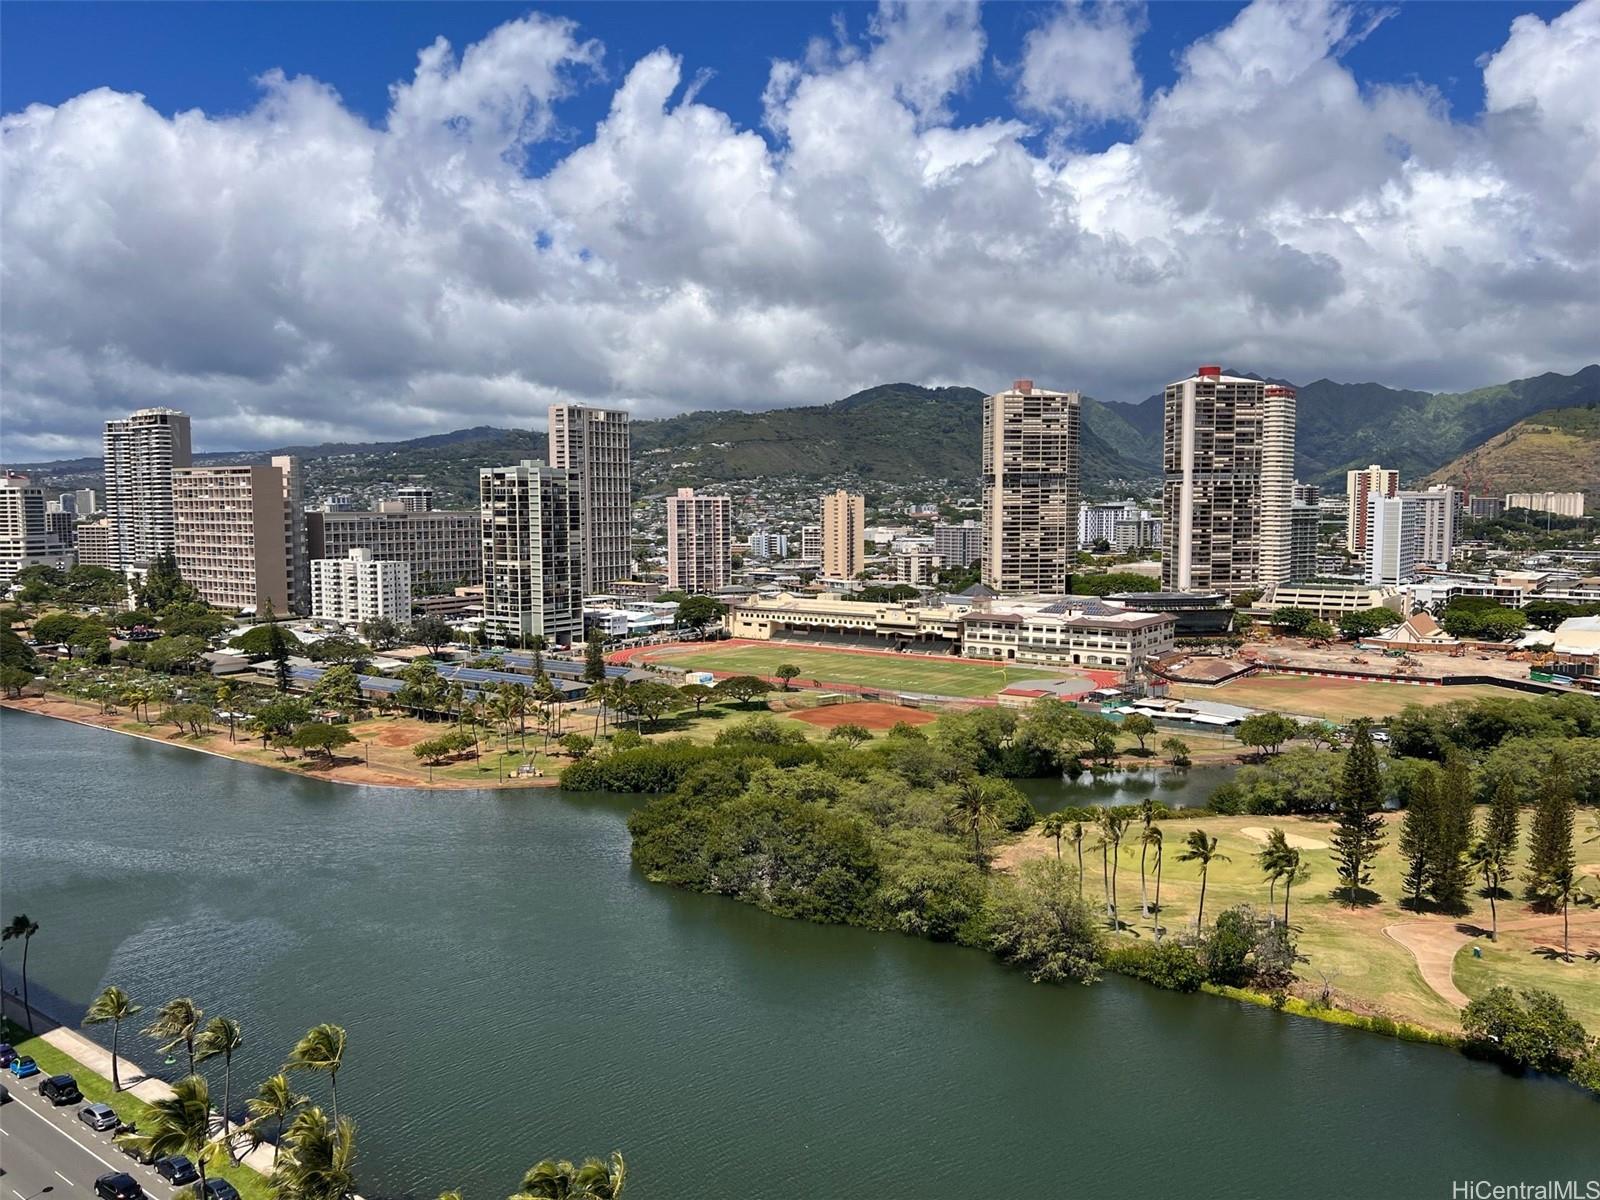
{"x": 873, "y": 672}
{"x": 1335, "y": 699}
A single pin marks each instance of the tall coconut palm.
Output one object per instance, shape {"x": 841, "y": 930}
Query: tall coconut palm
{"x": 179, "y": 1124}
{"x": 1294, "y": 871}
{"x": 1197, "y": 847}
{"x": 560, "y": 1180}
{"x": 1152, "y": 837}
{"x": 973, "y": 811}
{"x": 22, "y": 926}
{"x": 319, "y": 1156}
{"x": 276, "y": 1101}
{"x": 1053, "y": 826}
{"x": 1075, "y": 835}
{"x": 112, "y": 1006}
{"x": 1112, "y": 826}
{"x": 1271, "y": 860}
{"x": 1491, "y": 859}
{"x": 1561, "y": 887}
{"x": 1147, "y": 819}
{"x": 221, "y": 1035}
{"x": 177, "y": 1023}
{"x": 321, "y": 1049}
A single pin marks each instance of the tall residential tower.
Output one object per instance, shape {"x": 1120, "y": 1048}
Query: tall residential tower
{"x": 844, "y": 524}
{"x": 699, "y": 542}
{"x": 1359, "y": 487}
{"x": 1030, "y": 489}
{"x": 1228, "y": 457}
{"x": 531, "y": 552}
{"x": 593, "y": 443}
{"x": 141, "y": 452}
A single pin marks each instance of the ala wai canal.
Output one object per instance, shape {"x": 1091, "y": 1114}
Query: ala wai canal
{"x": 513, "y": 989}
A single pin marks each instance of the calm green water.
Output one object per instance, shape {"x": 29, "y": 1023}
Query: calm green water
{"x": 512, "y": 989}
{"x": 1188, "y": 788}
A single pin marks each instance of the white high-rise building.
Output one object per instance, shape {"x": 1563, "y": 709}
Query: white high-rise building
{"x": 415, "y": 497}
{"x": 360, "y": 588}
{"x": 532, "y": 545}
{"x": 239, "y": 535}
{"x": 699, "y": 542}
{"x": 1560, "y": 504}
{"x": 766, "y": 544}
{"x": 1098, "y": 522}
{"x": 844, "y": 523}
{"x": 1438, "y": 511}
{"x": 958, "y": 546}
{"x": 141, "y": 453}
{"x": 1228, "y": 457}
{"x": 1358, "y": 487}
{"x": 1394, "y": 538}
{"x": 26, "y": 537}
{"x": 1030, "y": 489}
{"x": 594, "y": 444}
{"x": 811, "y": 543}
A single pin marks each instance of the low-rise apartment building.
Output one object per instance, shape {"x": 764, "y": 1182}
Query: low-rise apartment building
{"x": 1328, "y": 600}
{"x": 360, "y": 587}
{"x": 443, "y": 547}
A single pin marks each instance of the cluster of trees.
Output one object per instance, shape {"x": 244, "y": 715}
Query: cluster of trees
{"x": 88, "y": 586}
{"x": 1477, "y": 618}
{"x": 561, "y": 1179}
{"x": 1302, "y": 622}
{"x": 1531, "y": 1031}
{"x": 314, "y": 1150}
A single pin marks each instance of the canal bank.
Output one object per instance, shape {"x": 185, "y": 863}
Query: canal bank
{"x": 505, "y": 941}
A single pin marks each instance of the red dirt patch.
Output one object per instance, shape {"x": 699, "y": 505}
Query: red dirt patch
{"x": 400, "y": 738}
{"x": 866, "y": 713}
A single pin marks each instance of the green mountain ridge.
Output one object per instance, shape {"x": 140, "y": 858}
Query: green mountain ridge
{"x": 903, "y": 432}
{"x": 1556, "y": 449}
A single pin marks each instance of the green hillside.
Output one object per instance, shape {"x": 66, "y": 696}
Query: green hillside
{"x": 1557, "y": 449}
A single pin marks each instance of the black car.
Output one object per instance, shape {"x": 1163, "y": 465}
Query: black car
{"x": 216, "y": 1189}
{"x": 8, "y": 1054}
{"x": 119, "y": 1185}
{"x": 60, "y": 1089}
{"x": 176, "y": 1170}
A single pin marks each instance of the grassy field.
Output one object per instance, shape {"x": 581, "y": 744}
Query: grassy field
{"x": 1345, "y": 945}
{"x": 881, "y": 672}
{"x": 97, "y": 1089}
{"x": 1335, "y": 699}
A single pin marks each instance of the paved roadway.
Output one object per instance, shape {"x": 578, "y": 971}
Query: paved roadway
{"x": 42, "y": 1146}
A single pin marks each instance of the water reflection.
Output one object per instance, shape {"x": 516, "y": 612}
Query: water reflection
{"x": 1189, "y": 787}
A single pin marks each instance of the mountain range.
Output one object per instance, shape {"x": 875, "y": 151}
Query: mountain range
{"x": 903, "y": 432}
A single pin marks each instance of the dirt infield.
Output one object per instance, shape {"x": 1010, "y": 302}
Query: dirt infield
{"x": 865, "y": 713}
{"x": 400, "y": 738}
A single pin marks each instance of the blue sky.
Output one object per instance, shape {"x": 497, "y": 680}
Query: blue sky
{"x": 673, "y": 206}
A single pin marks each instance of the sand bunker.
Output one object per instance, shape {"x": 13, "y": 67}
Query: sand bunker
{"x": 1257, "y": 834}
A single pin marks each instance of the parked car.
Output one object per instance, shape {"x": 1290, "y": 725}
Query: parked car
{"x": 136, "y": 1152}
{"x": 8, "y": 1054}
{"x": 176, "y": 1170}
{"x": 21, "y": 1068}
{"x": 99, "y": 1117}
{"x": 216, "y": 1189}
{"x": 5, "y": 1094}
{"x": 60, "y": 1089}
{"x": 118, "y": 1185}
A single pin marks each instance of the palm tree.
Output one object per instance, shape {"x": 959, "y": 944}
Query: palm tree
{"x": 1271, "y": 860}
{"x": 1152, "y": 837}
{"x": 973, "y": 811}
{"x": 221, "y": 1035}
{"x": 1203, "y": 850}
{"x": 23, "y": 927}
{"x": 1491, "y": 861}
{"x": 116, "y": 1006}
{"x": 320, "y": 1159}
{"x": 1294, "y": 871}
{"x": 179, "y": 1124}
{"x": 594, "y": 1180}
{"x": 1075, "y": 835}
{"x": 1053, "y": 826}
{"x": 177, "y": 1023}
{"x": 275, "y": 1100}
{"x": 1561, "y": 887}
{"x": 1147, "y": 817}
{"x": 1112, "y": 826}
{"x": 321, "y": 1049}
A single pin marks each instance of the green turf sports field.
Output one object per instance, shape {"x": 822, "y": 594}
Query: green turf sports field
{"x": 879, "y": 672}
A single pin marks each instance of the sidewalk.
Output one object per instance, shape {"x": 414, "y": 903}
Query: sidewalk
{"x": 97, "y": 1058}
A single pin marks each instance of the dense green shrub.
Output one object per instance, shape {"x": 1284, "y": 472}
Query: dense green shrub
{"x": 1166, "y": 964}
{"x": 1038, "y": 921}
{"x": 662, "y": 766}
{"x": 1535, "y": 1031}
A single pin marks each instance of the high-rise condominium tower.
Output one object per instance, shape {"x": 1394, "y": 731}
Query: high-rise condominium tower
{"x": 141, "y": 452}
{"x": 593, "y": 443}
{"x": 1228, "y": 457}
{"x": 844, "y": 524}
{"x": 531, "y": 552}
{"x": 1030, "y": 488}
{"x": 26, "y": 536}
{"x": 699, "y": 542}
{"x": 238, "y": 533}
{"x": 1359, "y": 487}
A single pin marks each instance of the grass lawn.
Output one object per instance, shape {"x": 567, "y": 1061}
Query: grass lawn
{"x": 1347, "y": 945}
{"x": 97, "y": 1089}
{"x": 883, "y": 672}
{"x": 1335, "y": 699}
